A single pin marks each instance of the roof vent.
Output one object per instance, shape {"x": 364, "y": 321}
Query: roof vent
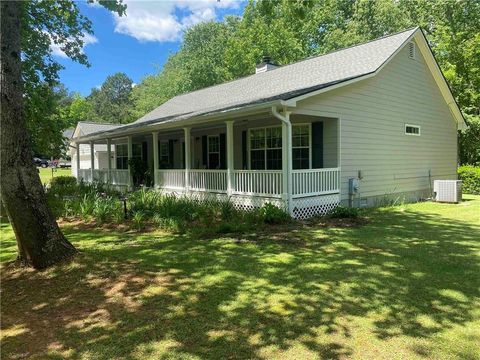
{"x": 411, "y": 50}
{"x": 265, "y": 65}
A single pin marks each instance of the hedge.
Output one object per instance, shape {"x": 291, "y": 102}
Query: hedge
{"x": 470, "y": 176}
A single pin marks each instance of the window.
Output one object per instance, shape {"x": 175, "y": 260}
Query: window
{"x": 213, "y": 151}
{"x": 266, "y": 148}
{"x": 412, "y": 130}
{"x": 164, "y": 155}
{"x": 301, "y": 146}
{"x": 121, "y": 154}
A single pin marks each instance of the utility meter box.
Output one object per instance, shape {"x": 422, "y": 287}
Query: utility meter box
{"x": 353, "y": 186}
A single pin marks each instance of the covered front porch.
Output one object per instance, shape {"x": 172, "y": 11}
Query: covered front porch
{"x": 291, "y": 160}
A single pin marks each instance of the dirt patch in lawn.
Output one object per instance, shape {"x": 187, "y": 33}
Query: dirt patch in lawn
{"x": 337, "y": 222}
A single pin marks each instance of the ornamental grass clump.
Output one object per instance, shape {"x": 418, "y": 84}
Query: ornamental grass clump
{"x": 176, "y": 213}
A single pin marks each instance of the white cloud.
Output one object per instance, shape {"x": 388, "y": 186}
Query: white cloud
{"x": 166, "y": 20}
{"x": 87, "y": 40}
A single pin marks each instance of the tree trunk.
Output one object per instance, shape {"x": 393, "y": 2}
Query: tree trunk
{"x": 40, "y": 241}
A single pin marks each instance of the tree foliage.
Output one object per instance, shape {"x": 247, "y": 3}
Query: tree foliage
{"x": 112, "y": 102}
{"x": 288, "y": 31}
{"x": 44, "y": 23}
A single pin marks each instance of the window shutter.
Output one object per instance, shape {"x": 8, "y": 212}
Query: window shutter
{"x": 204, "y": 152}
{"x": 317, "y": 145}
{"x": 244, "y": 150}
{"x": 170, "y": 153}
{"x": 144, "y": 151}
{"x": 223, "y": 153}
{"x": 184, "y": 164}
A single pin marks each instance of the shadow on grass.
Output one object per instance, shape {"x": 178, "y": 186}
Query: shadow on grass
{"x": 130, "y": 296}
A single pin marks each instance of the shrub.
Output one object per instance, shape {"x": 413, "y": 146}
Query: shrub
{"x": 272, "y": 214}
{"x": 138, "y": 217}
{"x": 342, "y": 212}
{"x": 470, "y": 176}
{"x": 106, "y": 208}
{"x": 63, "y": 181}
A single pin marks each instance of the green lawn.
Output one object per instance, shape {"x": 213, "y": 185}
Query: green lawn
{"x": 46, "y": 174}
{"x": 404, "y": 286}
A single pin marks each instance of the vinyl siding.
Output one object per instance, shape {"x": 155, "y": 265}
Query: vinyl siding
{"x": 373, "y": 115}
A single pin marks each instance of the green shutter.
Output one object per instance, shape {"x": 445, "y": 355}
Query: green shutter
{"x": 170, "y": 153}
{"x": 317, "y": 145}
{"x": 204, "y": 152}
{"x": 223, "y": 152}
{"x": 244, "y": 150}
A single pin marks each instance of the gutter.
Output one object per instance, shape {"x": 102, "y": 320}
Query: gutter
{"x": 287, "y": 154}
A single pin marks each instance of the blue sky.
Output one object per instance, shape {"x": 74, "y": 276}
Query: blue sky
{"x": 139, "y": 43}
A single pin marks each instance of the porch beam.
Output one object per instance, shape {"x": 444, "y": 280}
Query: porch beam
{"x": 109, "y": 155}
{"x": 188, "y": 164}
{"x": 129, "y": 156}
{"x": 92, "y": 159}
{"x": 230, "y": 158}
{"x": 155, "y": 159}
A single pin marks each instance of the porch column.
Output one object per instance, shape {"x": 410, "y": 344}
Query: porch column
{"x": 155, "y": 159}
{"x": 230, "y": 158}
{"x": 129, "y": 155}
{"x": 78, "y": 160}
{"x": 109, "y": 155}
{"x": 187, "y": 157}
{"x": 287, "y": 161}
{"x": 92, "y": 159}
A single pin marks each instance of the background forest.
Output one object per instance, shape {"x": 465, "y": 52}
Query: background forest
{"x": 288, "y": 31}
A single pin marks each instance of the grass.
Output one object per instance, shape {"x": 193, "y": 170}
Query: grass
{"x": 404, "y": 286}
{"x": 46, "y": 174}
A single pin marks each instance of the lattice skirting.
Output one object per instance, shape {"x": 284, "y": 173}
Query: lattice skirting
{"x": 241, "y": 202}
{"x": 307, "y": 207}
{"x": 303, "y": 208}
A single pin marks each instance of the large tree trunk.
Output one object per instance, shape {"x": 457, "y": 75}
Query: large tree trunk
{"x": 40, "y": 241}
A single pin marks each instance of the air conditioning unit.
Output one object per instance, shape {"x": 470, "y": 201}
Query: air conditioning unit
{"x": 449, "y": 191}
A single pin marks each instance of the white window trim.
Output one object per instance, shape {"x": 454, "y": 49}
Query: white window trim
{"x": 213, "y": 152}
{"x": 120, "y": 156}
{"x": 249, "y": 165}
{"x": 160, "y": 150}
{"x": 309, "y": 144}
{"x": 414, "y": 126}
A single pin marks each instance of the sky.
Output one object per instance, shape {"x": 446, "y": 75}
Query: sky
{"x": 138, "y": 43}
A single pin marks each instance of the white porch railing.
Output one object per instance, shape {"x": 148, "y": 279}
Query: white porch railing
{"x": 208, "y": 180}
{"x": 119, "y": 177}
{"x": 315, "y": 182}
{"x": 100, "y": 175}
{"x": 264, "y": 183}
{"x": 85, "y": 175}
{"x": 171, "y": 179}
{"x": 258, "y": 182}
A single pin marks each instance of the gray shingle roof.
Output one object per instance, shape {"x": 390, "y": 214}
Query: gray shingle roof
{"x": 87, "y": 127}
{"x": 284, "y": 82}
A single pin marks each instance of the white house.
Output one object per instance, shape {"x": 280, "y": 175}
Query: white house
{"x": 100, "y": 158}
{"x": 380, "y": 113}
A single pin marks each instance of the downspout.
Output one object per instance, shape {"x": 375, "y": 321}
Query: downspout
{"x": 287, "y": 149}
